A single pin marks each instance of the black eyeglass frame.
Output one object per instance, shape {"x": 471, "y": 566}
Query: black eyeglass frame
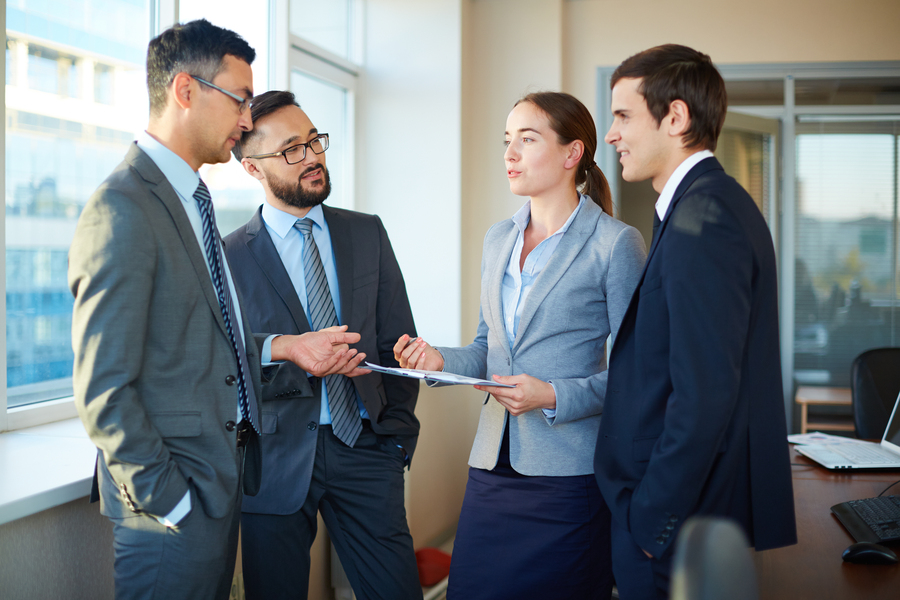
{"x": 243, "y": 103}
{"x": 322, "y": 136}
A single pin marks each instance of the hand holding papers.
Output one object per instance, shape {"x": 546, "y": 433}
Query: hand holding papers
{"x": 438, "y": 376}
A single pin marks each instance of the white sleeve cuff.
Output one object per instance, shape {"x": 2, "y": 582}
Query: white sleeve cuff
{"x": 178, "y": 513}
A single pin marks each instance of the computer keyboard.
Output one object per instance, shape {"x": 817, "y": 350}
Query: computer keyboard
{"x": 863, "y": 454}
{"x": 881, "y": 514}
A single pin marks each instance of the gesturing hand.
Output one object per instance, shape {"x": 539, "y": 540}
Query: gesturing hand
{"x": 415, "y": 353}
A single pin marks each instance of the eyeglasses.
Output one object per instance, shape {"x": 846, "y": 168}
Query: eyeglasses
{"x": 295, "y": 154}
{"x": 243, "y": 102}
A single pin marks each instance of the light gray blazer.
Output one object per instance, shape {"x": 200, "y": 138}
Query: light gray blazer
{"x": 154, "y": 367}
{"x": 578, "y": 299}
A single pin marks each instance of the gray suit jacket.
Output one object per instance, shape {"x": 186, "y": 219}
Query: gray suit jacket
{"x": 154, "y": 365}
{"x": 578, "y": 299}
{"x": 373, "y": 303}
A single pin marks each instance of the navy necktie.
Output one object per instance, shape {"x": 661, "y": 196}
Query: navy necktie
{"x": 345, "y": 419}
{"x": 216, "y": 266}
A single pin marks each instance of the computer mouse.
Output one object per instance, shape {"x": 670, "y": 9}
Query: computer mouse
{"x": 867, "y": 553}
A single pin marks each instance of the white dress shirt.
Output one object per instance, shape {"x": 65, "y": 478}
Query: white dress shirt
{"x": 665, "y": 198}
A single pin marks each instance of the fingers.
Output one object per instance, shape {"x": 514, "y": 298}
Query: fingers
{"x": 331, "y": 364}
{"x": 352, "y": 365}
{"x": 402, "y": 342}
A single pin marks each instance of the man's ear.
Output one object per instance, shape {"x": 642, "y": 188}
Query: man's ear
{"x": 181, "y": 90}
{"x": 678, "y": 121}
{"x": 573, "y": 157}
{"x": 252, "y": 168}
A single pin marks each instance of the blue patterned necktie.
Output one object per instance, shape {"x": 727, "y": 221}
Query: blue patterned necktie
{"x": 216, "y": 266}
{"x": 345, "y": 419}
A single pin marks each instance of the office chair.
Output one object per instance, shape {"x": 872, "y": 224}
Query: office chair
{"x": 874, "y": 385}
{"x": 712, "y": 561}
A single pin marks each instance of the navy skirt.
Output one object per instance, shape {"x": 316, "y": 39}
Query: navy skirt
{"x": 522, "y": 537}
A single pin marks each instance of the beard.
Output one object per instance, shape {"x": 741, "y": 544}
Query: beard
{"x": 294, "y": 195}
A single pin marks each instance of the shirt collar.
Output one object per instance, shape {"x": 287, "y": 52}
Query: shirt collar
{"x": 178, "y": 173}
{"x": 281, "y": 222}
{"x": 523, "y": 216}
{"x": 665, "y": 198}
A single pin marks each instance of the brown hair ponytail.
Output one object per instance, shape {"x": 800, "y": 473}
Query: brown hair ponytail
{"x": 571, "y": 121}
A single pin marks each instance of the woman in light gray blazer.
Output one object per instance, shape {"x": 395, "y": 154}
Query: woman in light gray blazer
{"x": 555, "y": 282}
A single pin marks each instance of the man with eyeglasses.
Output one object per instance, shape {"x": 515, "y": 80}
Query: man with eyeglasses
{"x": 167, "y": 370}
{"x": 334, "y": 445}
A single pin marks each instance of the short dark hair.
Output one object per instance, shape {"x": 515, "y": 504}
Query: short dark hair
{"x": 262, "y": 105}
{"x": 571, "y": 120}
{"x": 672, "y": 72}
{"x": 197, "y": 48}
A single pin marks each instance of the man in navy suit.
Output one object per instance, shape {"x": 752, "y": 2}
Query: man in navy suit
{"x": 694, "y": 418}
{"x": 335, "y": 445}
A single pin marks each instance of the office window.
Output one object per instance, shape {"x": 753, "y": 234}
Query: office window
{"x": 66, "y": 129}
{"x": 328, "y": 25}
{"x": 846, "y": 294}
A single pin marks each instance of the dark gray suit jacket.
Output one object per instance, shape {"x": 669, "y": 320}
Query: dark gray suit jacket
{"x": 373, "y": 303}
{"x": 154, "y": 366}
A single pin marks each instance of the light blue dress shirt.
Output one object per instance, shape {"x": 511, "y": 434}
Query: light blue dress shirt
{"x": 289, "y": 245}
{"x": 518, "y": 283}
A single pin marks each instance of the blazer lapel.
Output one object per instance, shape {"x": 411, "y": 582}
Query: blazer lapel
{"x": 342, "y": 247}
{"x": 266, "y": 256}
{"x": 160, "y": 187}
{"x": 568, "y": 249}
{"x": 705, "y": 165}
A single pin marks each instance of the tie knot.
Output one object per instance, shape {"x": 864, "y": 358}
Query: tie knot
{"x": 304, "y": 226}
{"x": 202, "y": 193}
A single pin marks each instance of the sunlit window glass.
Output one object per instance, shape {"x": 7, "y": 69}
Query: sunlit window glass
{"x": 75, "y": 98}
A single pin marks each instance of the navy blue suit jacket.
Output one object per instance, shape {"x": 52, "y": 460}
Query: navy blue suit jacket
{"x": 694, "y": 419}
{"x": 373, "y": 304}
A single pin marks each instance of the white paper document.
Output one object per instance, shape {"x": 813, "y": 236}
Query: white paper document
{"x": 439, "y": 376}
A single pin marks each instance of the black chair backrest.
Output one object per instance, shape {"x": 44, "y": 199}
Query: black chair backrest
{"x": 874, "y": 384}
{"x": 712, "y": 561}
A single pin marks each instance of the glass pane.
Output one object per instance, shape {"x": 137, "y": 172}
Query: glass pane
{"x": 846, "y": 251}
{"x": 746, "y": 156}
{"x": 769, "y": 92}
{"x": 62, "y": 139}
{"x": 326, "y": 106}
{"x": 813, "y": 92}
{"x": 326, "y": 24}
{"x": 236, "y": 194}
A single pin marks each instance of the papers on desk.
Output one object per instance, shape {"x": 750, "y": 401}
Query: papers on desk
{"x": 438, "y": 376}
{"x": 820, "y": 439}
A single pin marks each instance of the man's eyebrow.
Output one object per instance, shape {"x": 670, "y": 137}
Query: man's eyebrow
{"x": 294, "y": 138}
{"x": 248, "y": 93}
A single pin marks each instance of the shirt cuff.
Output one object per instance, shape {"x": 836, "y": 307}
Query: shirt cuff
{"x": 265, "y": 356}
{"x": 178, "y": 513}
{"x": 550, "y": 413}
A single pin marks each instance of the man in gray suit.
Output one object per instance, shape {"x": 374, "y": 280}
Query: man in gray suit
{"x": 336, "y": 445}
{"x": 167, "y": 371}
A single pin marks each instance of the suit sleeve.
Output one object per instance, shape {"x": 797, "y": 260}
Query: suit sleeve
{"x": 393, "y": 317}
{"x": 707, "y": 274}
{"x": 112, "y": 265}
{"x": 584, "y": 397}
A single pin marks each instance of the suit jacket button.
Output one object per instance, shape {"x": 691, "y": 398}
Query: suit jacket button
{"x": 229, "y": 380}
{"x": 229, "y": 426}
{"x": 312, "y": 426}
{"x": 660, "y": 540}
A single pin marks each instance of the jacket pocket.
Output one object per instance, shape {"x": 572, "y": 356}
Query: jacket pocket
{"x": 642, "y": 447}
{"x": 177, "y": 424}
{"x": 269, "y": 423}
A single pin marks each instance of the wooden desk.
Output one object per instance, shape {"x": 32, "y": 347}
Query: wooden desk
{"x": 823, "y": 396}
{"x": 813, "y": 567}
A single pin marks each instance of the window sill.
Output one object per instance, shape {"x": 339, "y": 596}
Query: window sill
{"x": 44, "y": 466}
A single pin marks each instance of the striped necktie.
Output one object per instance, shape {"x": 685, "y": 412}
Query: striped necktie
{"x": 345, "y": 419}
{"x": 216, "y": 266}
